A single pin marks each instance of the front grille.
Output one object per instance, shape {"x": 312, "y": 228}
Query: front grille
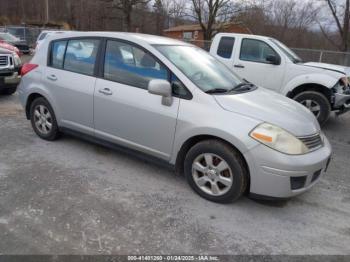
{"x": 3, "y": 60}
{"x": 312, "y": 142}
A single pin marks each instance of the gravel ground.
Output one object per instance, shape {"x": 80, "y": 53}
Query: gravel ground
{"x": 74, "y": 197}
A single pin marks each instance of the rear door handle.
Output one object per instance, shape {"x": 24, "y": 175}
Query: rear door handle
{"x": 52, "y": 77}
{"x": 239, "y": 66}
{"x": 106, "y": 91}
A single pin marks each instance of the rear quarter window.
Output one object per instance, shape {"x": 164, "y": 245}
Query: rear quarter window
{"x": 58, "y": 49}
{"x": 42, "y": 36}
{"x": 225, "y": 47}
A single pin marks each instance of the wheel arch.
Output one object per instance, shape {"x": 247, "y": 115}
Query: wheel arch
{"x": 190, "y": 142}
{"x": 29, "y": 101}
{"x": 327, "y": 92}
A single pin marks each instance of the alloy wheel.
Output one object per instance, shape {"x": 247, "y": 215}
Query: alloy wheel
{"x": 313, "y": 106}
{"x": 212, "y": 174}
{"x": 43, "y": 119}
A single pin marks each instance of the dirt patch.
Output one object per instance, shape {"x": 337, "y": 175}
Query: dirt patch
{"x": 10, "y": 108}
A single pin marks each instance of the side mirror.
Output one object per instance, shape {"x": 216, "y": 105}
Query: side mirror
{"x": 163, "y": 89}
{"x": 273, "y": 59}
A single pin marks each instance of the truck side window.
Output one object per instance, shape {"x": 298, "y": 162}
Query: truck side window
{"x": 225, "y": 47}
{"x": 255, "y": 51}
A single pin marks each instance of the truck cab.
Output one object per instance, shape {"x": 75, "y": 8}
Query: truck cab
{"x": 266, "y": 62}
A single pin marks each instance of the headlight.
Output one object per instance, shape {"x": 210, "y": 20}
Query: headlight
{"x": 278, "y": 139}
{"x": 17, "y": 60}
{"x": 345, "y": 81}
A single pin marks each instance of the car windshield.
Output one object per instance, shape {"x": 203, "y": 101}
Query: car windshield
{"x": 8, "y": 37}
{"x": 201, "y": 68}
{"x": 287, "y": 51}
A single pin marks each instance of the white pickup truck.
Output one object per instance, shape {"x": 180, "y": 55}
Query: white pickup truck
{"x": 266, "y": 62}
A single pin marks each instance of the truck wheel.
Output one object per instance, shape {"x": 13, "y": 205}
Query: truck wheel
{"x": 43, "y": 119}
{"x": 215, "y": 171}
{"x": 317, "y": 103}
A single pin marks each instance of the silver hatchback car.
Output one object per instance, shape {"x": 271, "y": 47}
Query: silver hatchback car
{"x": 175, "y": 102}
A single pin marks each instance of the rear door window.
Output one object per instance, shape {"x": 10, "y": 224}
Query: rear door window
{"x": 81, "y": 56}
{"x": 225, "y": 47}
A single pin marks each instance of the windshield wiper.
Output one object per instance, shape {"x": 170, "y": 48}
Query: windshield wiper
{"x": 242, "y": 87}
{"x": 216, "y": 90}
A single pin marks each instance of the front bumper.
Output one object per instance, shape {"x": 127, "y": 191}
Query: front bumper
{"x": 277, "y": 175}
{"x": 341, "y": 102}
{"x": 341, "y": 99}
{"x": 10, "y": 80}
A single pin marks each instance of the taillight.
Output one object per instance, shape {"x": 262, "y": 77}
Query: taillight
{"x": 26, "y": 68}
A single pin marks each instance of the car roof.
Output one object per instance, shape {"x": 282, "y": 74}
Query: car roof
{"x": 134, "y": 37}
{"x": 52, "y": 31}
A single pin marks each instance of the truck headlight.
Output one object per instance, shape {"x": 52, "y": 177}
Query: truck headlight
{"x": 17, "y": 60}
{"x": 278, "y": 139}
{"x": 345, "y": 81}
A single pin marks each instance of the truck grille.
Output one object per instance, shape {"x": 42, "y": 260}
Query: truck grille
{"x": 3, "y": 60}
{"x": 312, "y": 142}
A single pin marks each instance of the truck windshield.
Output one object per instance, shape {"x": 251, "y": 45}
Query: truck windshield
{"x": 287, "y": 51}
{"x": 205, "y": 71}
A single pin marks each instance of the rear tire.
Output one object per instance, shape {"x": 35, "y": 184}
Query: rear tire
{"x": 43, "y": 119}
{"x": 317, "y": 103}
{"x": 215, "y": 171}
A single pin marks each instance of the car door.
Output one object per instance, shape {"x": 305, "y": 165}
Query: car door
{"x": 251, "y": 63}
{"x": 70, "y": 78}
{"x": 124, "y": 111}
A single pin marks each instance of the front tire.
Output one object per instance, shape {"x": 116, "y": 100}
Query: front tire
{"x": 215, "y": 171}
{"x": 43, "y": 119}
{"x": 317, "y": 103}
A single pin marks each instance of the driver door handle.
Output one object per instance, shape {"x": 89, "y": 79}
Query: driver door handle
{"x": 52, "y": 77}
{"x": 106, "y": 91}
{"x": 239, "y": 66}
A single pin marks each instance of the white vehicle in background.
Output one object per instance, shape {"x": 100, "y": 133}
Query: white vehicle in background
{"x": 266, "y": 62}
{"x": 43, "y": 35}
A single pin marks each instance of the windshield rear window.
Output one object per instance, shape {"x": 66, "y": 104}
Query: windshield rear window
{"x": 8, "y": 37}
{"x": 42, "y": 36}
{"x": 200, "y": 67}
{"x": 286, "y": 50}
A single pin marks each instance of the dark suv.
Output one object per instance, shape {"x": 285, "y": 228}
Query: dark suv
{"x": 10, "y": 65}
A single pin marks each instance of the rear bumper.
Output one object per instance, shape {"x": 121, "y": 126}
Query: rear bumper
{"x": 277, "y": 175}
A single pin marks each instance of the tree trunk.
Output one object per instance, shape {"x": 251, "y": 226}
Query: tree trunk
{"x": 346, "y": 26}
{"x": 127, "y": 18}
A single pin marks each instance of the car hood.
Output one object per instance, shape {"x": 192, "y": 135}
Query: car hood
{"x": 268, "y": 106}
{"x": 8, "y": 47}
{"x": 4, "y": 51}
{"x": 337, "y": 68}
